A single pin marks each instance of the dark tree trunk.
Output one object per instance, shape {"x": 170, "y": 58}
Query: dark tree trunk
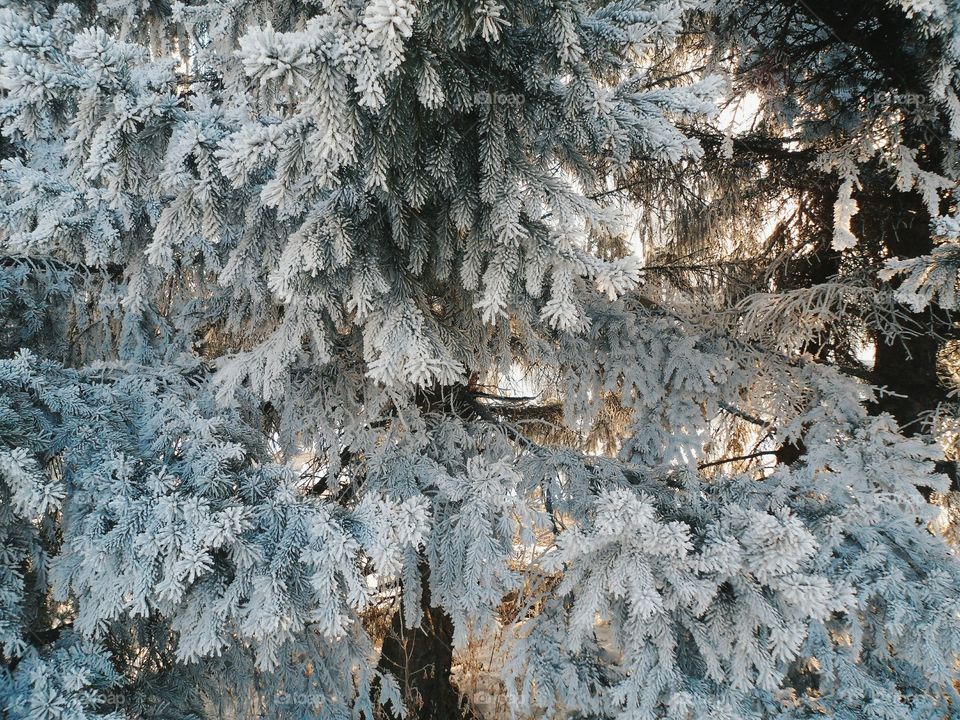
{"x": 908, "y": 366}
{"x": 421, "y": 660}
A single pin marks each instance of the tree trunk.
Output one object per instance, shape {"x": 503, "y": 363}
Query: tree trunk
{"x": 907, "y": 365}
{"x": 421, "y": 660}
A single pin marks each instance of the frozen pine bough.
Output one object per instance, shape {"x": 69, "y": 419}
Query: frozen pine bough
{"x": 323, "y": 337}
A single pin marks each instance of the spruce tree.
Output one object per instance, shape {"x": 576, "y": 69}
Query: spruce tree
{"x": 328, "y": 362}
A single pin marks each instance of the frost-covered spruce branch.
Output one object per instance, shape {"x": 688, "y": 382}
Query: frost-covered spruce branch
{"x": 267, "y": 406}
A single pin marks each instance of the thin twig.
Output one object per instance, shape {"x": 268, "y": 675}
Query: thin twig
{"x": 736, "y": 459}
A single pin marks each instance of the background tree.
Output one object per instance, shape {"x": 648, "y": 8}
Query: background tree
{"x": 847, "y": 122}
{"x": 328, "y": 358}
